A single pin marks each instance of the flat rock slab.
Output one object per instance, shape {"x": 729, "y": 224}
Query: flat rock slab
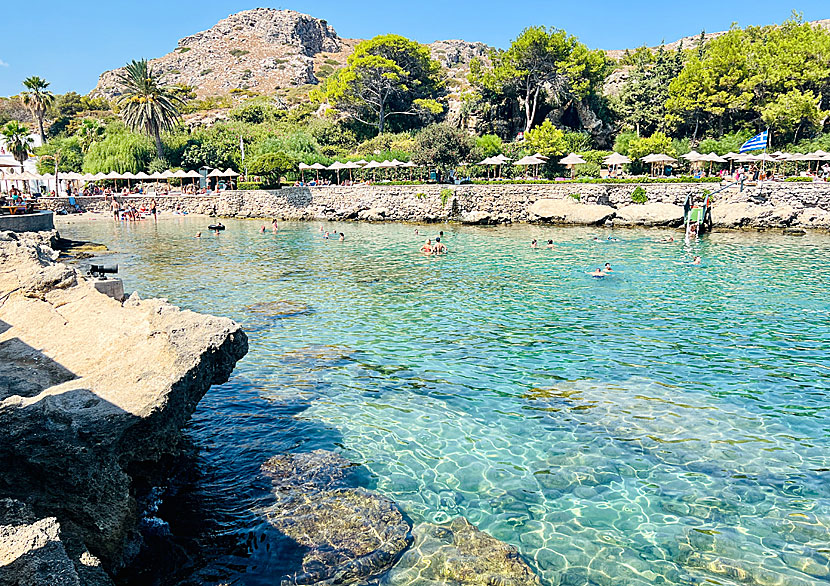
{"x": 568, "y": 211}
{"x": 650, "y": 214}
{"x": 457, "y": 553}
{"x": 94, "y": 391}
{"x": 747, "y": 214}
{"x": 351, "y": 534}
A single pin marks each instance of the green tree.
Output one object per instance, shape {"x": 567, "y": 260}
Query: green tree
{"x": 488, "y": 145}
{"x": 792, "y": 111}
{"x": 387, "y": 76}
{"x": 89, "y": 132}
{"x": 546, "y": 139}
{"x": 641, "y": 103}
{"x": 542, "y": 58}
{"x": 68, "y": 151}
{"x": 442, "y": 146}
{"x": 272, "y": 166}
{"x": 147, "y": 106}
{"x": 120, "y": 150}
{"x": 18, "y": 141}
{"x": 38, "y": 99}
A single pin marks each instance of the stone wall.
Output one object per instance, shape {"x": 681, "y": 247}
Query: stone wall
{"x": 767, "y": 205}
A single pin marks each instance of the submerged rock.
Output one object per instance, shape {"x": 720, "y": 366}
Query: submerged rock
{"x": 352, "y": 534}
{"x": 94, "y": 394}
{"x": 457, "y": 553}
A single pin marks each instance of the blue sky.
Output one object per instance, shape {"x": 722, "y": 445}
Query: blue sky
{"x": 71, "y": 42}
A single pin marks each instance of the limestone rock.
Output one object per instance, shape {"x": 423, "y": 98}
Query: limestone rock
{"x": 813, "y": 218}
{"x": 457, "y": 554}
{"x": 746, "y": 214}
{"x": 31, "y": 551}
{"x": 568, "y": 211}
{"x": 650, "y": 214}
{"x": 476, "y": 217}
{"x": 374, "y": 214}
{"x": 92, "y": 392}
{"x": 352, "y": 535}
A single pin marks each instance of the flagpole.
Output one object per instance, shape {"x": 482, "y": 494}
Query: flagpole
{"x": 764, "y": 160}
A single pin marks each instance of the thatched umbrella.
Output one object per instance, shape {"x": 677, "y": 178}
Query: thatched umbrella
{"x": 571, "y": 161}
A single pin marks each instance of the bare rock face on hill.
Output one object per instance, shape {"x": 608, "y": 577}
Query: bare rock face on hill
{"x": 93, "y": 395}
{"x": 261, "y": 49}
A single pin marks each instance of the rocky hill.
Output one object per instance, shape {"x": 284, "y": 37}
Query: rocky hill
{"x": 265, "y": 49}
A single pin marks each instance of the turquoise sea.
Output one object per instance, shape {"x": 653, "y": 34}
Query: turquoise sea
{"x": 668, "y": 424}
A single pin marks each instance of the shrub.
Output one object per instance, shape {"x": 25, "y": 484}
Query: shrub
{"x": 249, "y": 185}
{"x": 639, "y": 195}
{"x": 799, "y": 179}
{"x": 442, "y": 146}
{"x": 239, "y": 53}
{"x": 577, "y": 197}
{"x": 272, "y": 166}
{"x": 446, "y": 194}
{"x": 183, "y": 49}
{"x": 588, "y": 170}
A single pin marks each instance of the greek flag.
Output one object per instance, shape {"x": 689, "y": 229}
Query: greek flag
{"x": 759, "y": 141}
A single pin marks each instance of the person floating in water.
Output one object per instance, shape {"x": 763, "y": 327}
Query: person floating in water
{"x": 697, "y": 260}
{"x": 598, "y": 273}
{"x": 608, "y": 268}
{"x": 262, "y": 230}
{"x": 342, "y": 237}
{"x": 326, "y": 235}
{"x": 534, "y": 244}
{"x": 275, "y": 226}
{"x": 427, "y": 247}
{"x": 666, "y": 240}
{"x": 416, "y": 232}
{"x": 198, "y": 235}
{"x": 612, "y": 239}
{"x": 550, "y": 244}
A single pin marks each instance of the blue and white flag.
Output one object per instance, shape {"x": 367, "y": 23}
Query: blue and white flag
{"x": 759, "y": 141}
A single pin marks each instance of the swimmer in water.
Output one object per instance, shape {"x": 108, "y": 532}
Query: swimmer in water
{"x": 608, "y": 268}
{"x": 534, "y": 244}
{"x": 342, "y": 237}
{"x": 550, "y": 244}
{"x": 198, "y": 235}
{"x": 666, "y": 240}
{"x": 697, "y": 260}
{"x": 612, "y": 239}
{"x": 439, "y": 247}
{"x": 427, "y": 247}
{"x": 262, "y": 230}
{"x": 416, "y": 232}
{"x": 598, "y": 273}
{"x": 274, "y": 225}
{"x": 321, "y": 228}
{"x": 597, "y": 239}
{"x": 326, "y": 235}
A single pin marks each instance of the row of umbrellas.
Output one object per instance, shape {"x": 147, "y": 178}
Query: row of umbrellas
{"x": 72, "y": 176}
{"x": 361, "y": 164}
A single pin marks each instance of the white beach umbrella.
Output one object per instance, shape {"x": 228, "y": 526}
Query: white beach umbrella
{"x": 616, "y": 159}
{"x": 215, "y": 173}
{"x": 572, "y": 159}
{"x": 730, "y": 155}
{"x": 362, "y": 162}
{"x": 180, "y": 174}
{"x": 501, "y": 159}
{"x": 692, "y": 156}
{"x": 541, "y": 156}
{"x": 99, "y": 176}
{"x": 142, "y": 175}
{"x": 336, "y": 166}
{"x": 230, "y": 173}
{"x": 529, "y": 160}
{"x": 487, "y": 161}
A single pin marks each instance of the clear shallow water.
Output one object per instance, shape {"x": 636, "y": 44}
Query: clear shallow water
{"x": 668, "y": 424}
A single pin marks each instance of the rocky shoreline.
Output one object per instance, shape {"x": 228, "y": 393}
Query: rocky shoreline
{"x": 93, "y": 395}
{"x": 762, "y": 206}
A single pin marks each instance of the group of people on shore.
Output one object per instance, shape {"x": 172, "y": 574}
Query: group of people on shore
{"x": 132, "y": 213}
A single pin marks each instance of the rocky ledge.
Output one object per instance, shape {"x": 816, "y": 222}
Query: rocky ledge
{"x": 93, "y": 395}
{"x": 352, "y": 535}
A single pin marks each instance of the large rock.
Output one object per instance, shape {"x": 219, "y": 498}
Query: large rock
{"x": 458, "y": 554}
{"x": 351, "y": 535}
{"x": 569, "y": 211}
{"x": 476, "y": 217}
{"x": 31, "y": 551}
{"x": 93, "y": 394}
{"x": 650, "y": 214}
{"x": 747, "y": 214}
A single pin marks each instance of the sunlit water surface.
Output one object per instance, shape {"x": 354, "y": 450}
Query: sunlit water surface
{"x": 667, "y": 424}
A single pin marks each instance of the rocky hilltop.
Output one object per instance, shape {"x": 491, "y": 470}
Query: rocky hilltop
{"x": 261, "y": 49}
{"x": 93, "y": 395}
{"x": 265, "y": 49}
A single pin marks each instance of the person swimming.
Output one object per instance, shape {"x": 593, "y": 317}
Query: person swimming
{"x": 534, "y": 244}
{"x": 665, "y": 240}
{"x": 598, "y": 273}
{"x": 697, "y": 260}
{"x": 326, "y": 235}
{"x": 550, "y": 244}
{"x": 608, "y": 268}
{"x": 427, "y": 247}
{"x": 612, "y": 239}
{"x": 198, "y": 235}
{"x": 440, "y": 247}
{"x": 342, "y": 237}
{"x": 275, "y": 226}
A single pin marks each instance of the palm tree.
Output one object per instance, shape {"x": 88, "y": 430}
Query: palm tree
{"x": 146, "y": 106}
{"x": 38, "y": 99}
{"x": 18, "y": 141}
